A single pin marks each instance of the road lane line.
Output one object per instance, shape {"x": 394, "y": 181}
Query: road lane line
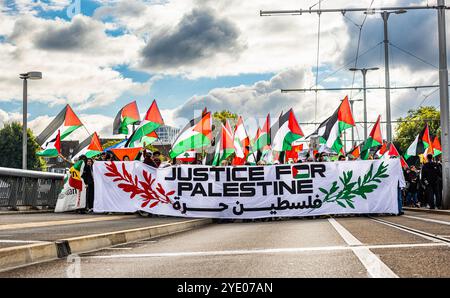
{"x": 260, "y": 251}
{"x": 429, "y": 220}
{"x": 60, "y": 222}
{"x": 425, "y": 235}
{"x": 374, "y": 266}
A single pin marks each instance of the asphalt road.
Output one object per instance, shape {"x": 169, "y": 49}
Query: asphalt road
{"x": 33, "y": 228}
{"x": 340, "y": 247}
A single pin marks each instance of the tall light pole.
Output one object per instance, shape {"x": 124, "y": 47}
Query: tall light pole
{"x": 385, "y": 16}
{"x": 32, "y": 75}
{"x": 443, "y": 94}
{"x": 364, "y": 73}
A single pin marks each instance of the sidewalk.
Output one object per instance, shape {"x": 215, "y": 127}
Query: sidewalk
{"x": 426, "y": 210}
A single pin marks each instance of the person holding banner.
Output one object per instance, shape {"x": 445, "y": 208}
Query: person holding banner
{"x": 88, "y": 178}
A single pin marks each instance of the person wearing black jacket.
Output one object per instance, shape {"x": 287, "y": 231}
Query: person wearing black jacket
{"x": 412, "y": 179}
{"x": 430, "y": 177}
{"x": 88, "y": 179}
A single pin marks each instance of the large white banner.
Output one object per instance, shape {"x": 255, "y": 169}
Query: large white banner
{"x": 249, "y": 191}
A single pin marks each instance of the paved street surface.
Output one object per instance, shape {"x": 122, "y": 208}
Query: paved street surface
{"x": 34, "y": 228}
{"x": 414, "y": 245}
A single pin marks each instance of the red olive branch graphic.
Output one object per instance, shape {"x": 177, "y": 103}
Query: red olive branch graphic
{"x": 145, "y": 189}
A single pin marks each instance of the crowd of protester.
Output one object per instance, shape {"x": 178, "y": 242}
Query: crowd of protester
{"x": 423, "y": 184}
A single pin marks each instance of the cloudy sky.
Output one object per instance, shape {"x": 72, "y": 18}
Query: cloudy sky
{"x": 98, "y": 55}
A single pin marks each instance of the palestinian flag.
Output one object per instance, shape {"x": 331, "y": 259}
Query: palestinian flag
{"x": 285, "y": 131}
{"x": 241, "y": 143}
{"x": 64, "y": 123}
{"x": 90, "y": 147}
{"x": 75, "y": 175}
{"x": 128, "y": 115}
{"x": 262, "y": 136}
{"x": 383, "y": 149}
{"x": 52, "y": 148}
{"x": 196, "y": 134}
{"x": 420, "y": 144}
{"x": 151, "y": 122}
{"x": 375, "y": 139}
{"x": 329, "y": 131}
{"x": 225, "y": 147}
{"x": 147, "y": 140}
{"x": 436, "y": 146}
{"x": 393, "y": 152}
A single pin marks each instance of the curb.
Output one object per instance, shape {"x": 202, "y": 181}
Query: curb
{"x": 20, "y": 256}
{"x": 25, "y": 212}
{"x": 434, "y": 211}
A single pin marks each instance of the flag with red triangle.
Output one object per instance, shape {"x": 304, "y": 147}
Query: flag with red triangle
{"x": 52, "y": 148}
{"x": 90, "y": 147}
{"x": 329, "y": 131}
{"x": 127, "y": 115}
{"x": 65, "y": 123}
{"x": 262, "y": 136}
{"x": 151, "y": 122}
{"x": 225, "y": 147}
{"x": 394, "y": 153}
{"x": 285, "y": 131}
{"x": 420, "y": 144}
{"x": 436, "y": 146}
{"x": 375, "y": 139}
{"x": 196, "y": 134}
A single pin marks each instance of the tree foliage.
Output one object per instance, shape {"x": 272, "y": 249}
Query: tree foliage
{"x": 411, "y": 125}
{"x": 11, "y": 148}
{"x": 222, "y": 116}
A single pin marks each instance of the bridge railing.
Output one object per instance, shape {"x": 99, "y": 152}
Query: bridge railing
{"x": 29, "y": 188}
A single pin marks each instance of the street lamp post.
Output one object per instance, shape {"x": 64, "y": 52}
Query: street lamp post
{"x": 364, "y": 73}
{"x": 32, "y": 75}
{"x": 385, "y": 16}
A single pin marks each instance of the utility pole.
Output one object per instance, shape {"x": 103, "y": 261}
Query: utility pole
{"x": 443, "y": 93}
{"x": 387, "y": 81}
{"x": 364, "y": 73}
{"x": 385, "y": 15}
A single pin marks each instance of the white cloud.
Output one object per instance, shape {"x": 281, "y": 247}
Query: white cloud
{"x": 8, "y": 117}
{"x": 82, "y": 75}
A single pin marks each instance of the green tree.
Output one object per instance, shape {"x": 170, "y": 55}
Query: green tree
{"x": 11, "y": 148}
{"x": 110, "y": 143}
{"x": 411, "y": 125}
{"x": 222, "y": 116}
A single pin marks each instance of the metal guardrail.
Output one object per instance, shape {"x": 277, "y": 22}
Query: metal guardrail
{"x": 29, "y": 188}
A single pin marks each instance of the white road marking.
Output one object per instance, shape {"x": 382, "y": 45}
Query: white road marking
{"x": 406, "y": 230}
{"x": 119, "y": 248}
{"x": 260, "y": 251}
{"x": 428, "y": 219}
{"x": 374, "y": 266}
{"x": 22, "y": 241}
